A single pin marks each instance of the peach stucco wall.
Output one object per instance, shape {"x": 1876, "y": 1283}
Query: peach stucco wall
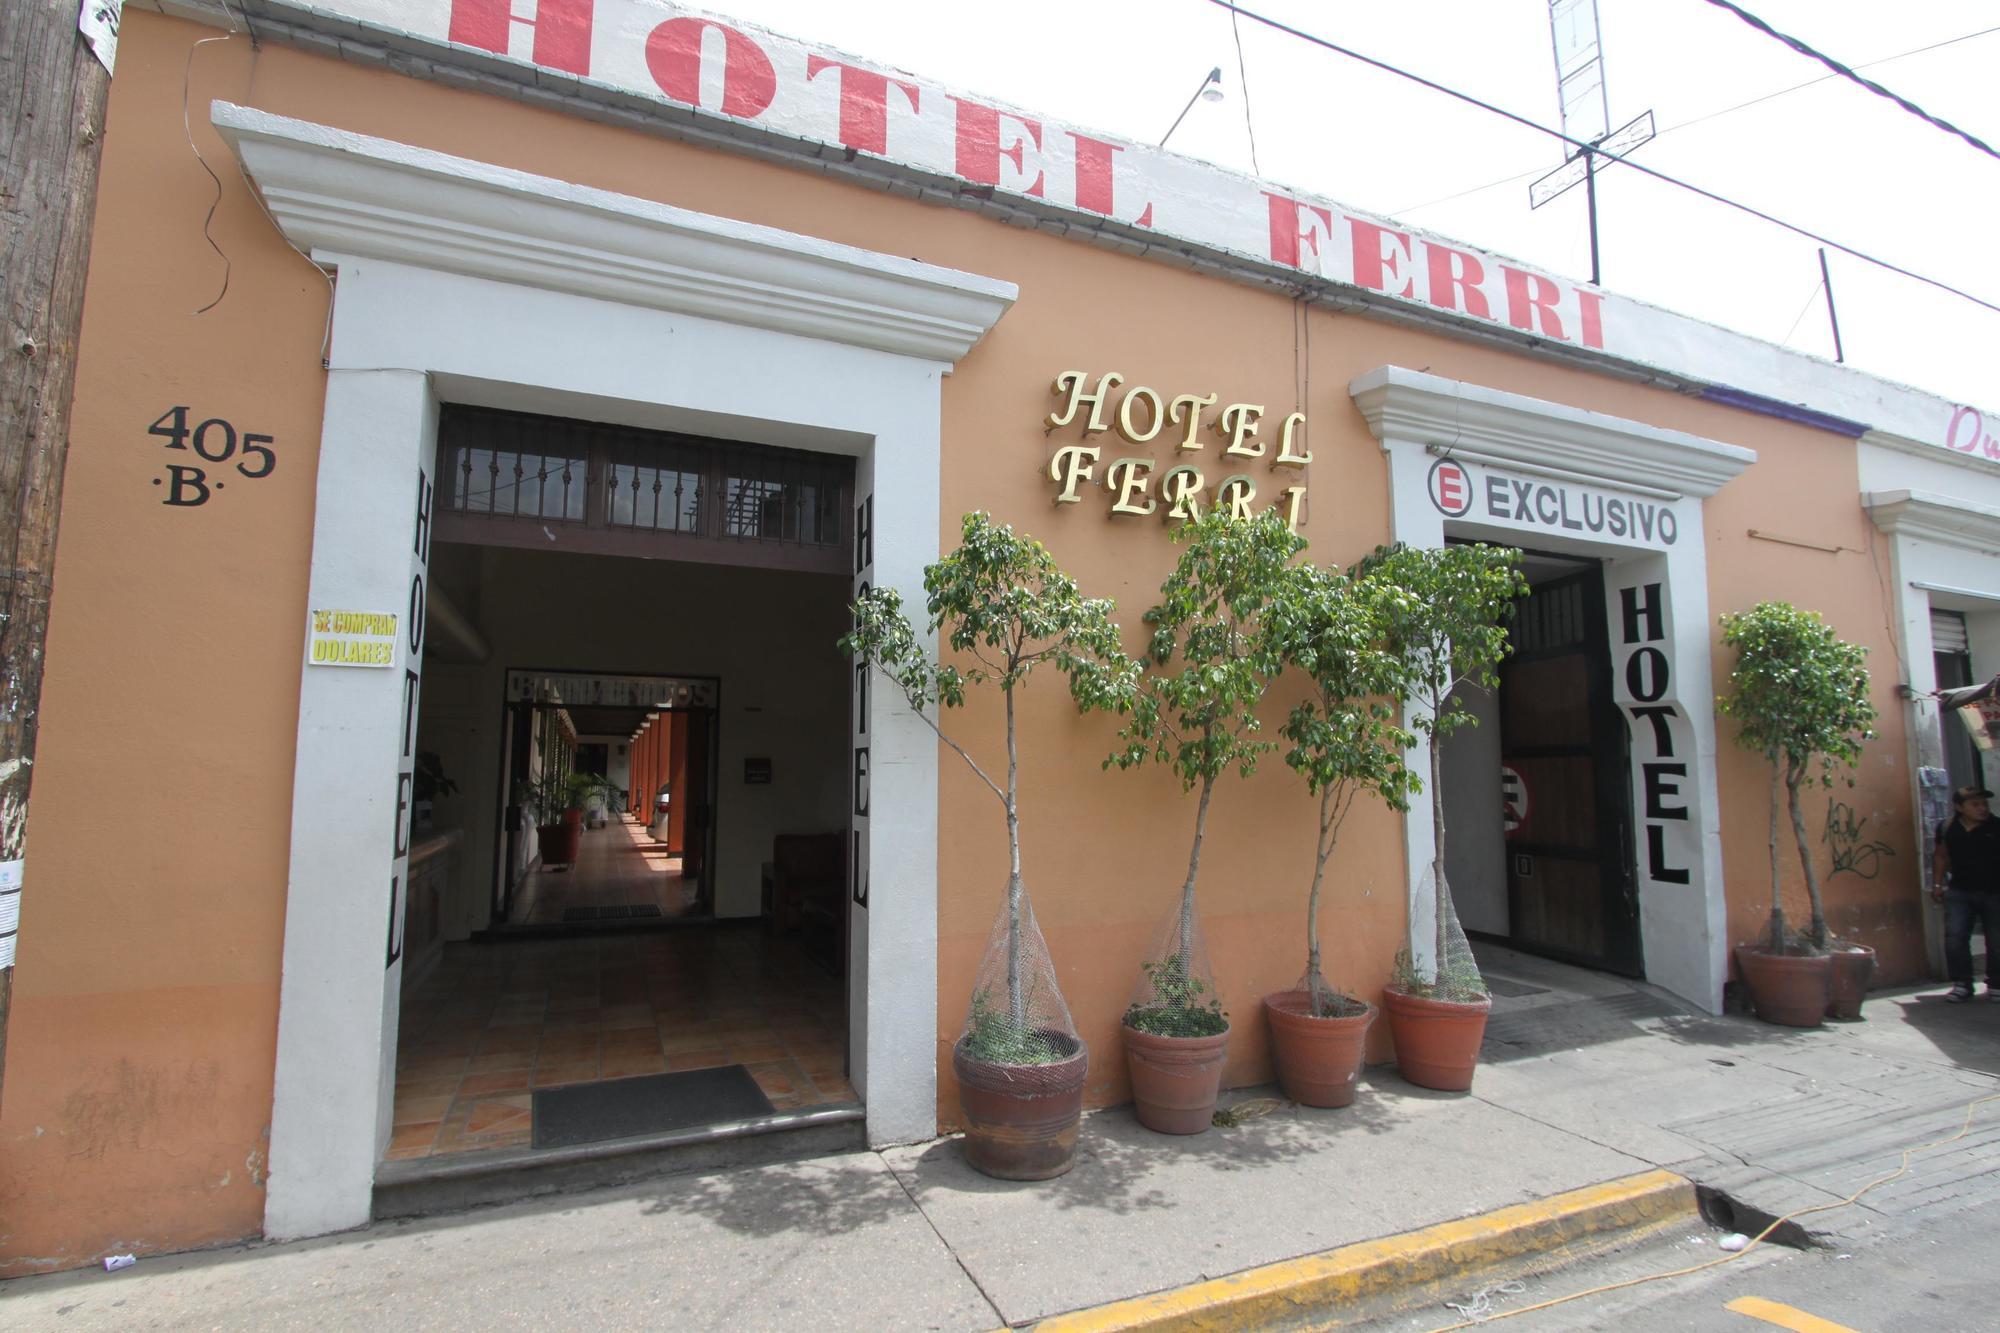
{"x": 138, "y": 1086}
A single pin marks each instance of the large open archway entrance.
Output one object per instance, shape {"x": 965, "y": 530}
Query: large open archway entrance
{"x": 464, "y": 283}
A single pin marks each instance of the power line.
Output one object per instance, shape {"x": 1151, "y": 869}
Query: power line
{"x": 1579, "y": 144}
{"x": 1710, "y": 115}
{"x": 1848, "y": 73}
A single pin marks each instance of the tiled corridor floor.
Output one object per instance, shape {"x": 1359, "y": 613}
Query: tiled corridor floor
{"x": 619, "y": 864}
{"x": 496, "y": 1021}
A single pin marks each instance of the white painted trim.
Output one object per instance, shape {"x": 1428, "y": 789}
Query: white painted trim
{"x": 403, "y": 336}
{"x": 1513, "y": 428}
{"x": 1683, "y": 926}
{"x": 1928, "y": 516}
{"x": 332, "y": 190}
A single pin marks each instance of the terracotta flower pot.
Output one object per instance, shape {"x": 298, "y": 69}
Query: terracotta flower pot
{"x": 1853, "y": 968}
{"x": 1791, "y": 990}
{"x": 1175, "y": 1080}
{"x": 1021, "y": 1120}
{"x": 558, "y": 843}
{"x": 1437, "y": 1041}
{"x": 1318, "y": 1058}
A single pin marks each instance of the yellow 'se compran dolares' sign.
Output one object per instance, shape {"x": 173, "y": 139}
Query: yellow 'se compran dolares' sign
{"x": 351, "y": 638}
{"x": 1142, "y": 484}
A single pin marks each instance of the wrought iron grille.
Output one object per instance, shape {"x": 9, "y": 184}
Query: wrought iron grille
{"x": 635, "y": 484}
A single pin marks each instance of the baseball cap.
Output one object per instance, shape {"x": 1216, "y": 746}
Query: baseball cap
{"x": 1964, "y": 794}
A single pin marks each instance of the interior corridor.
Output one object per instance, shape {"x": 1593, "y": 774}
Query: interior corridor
{"x": 622, "y": 872}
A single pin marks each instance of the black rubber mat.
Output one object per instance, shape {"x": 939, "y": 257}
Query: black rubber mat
{"x": 621, "y": 1108}
{"x": 610, "y": 912}
{"x": 1512, "y": 990}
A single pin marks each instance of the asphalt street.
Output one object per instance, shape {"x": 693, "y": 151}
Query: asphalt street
{"x": 1937, "y": 1277}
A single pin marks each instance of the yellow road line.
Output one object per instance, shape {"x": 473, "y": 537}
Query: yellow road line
{"x": 1784, "y": 1316}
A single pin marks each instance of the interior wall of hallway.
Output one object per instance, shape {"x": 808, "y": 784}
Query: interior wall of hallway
{"x": 140, "y": 1063}
{"x": 768, "y": 635}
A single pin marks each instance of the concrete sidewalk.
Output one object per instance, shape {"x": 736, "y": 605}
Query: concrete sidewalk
{"x": 1586, "y": 1079}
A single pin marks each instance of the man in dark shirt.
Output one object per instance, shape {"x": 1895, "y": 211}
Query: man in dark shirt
{"x": 1968, "y": 846}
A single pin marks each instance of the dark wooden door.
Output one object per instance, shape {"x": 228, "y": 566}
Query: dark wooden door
{"x": 1571, "y": 891}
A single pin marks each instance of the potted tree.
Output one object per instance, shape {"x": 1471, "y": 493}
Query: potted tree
{"x": 1194, "y": 709}
{"x": 1799, "y": 695}
{"x": 1346, "y": 742}
{"x": 1444, "y": 611}
{"x": 546, "y": 796}
{"x": 1005, "y": 608}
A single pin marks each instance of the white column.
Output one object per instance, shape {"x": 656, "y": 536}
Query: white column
{"x": 337, "y": 1013}
{"x": 1416, "y": 522}
{"x": 896, "y": 1030}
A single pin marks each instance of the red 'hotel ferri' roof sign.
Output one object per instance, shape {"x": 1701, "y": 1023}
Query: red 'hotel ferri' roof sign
{"x": 681, "y": 55}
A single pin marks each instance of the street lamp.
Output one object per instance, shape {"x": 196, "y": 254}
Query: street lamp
{"x": 1210, "y": 91}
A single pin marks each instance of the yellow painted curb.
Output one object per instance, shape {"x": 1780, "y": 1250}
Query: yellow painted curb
{"x": 1353, "y": 1280}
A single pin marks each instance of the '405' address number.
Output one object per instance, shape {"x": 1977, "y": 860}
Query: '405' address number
{"x": 216, "y": 442}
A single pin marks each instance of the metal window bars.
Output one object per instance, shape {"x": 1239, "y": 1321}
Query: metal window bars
{"x": 615, "y": 479}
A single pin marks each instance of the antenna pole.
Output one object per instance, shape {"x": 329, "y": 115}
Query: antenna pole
{"x": 1826, "y": 284}
{"x": 1590, "y": 194}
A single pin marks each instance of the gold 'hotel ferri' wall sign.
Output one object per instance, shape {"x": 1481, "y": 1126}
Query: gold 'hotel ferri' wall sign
{"x": 1141, "y": 484}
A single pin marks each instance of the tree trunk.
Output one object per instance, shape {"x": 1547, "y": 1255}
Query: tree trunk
{"x": 1816, "y": 932}
{"x": 48, "y": 190}
{"x": 1777, "y": 926}
{"x": 1440, "y": 891}
{"x": 1017, "y": 1006}
{"x": 1194, "y": 863}
{"x": 1315, "y": 983}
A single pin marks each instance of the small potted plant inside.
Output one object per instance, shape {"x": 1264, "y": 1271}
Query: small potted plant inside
{"x": 1210, "y": 660}
{"x": 1799, "y": 695}
{"x": 1346, "y": 742}
{"x": 427, "y": 785}
{"x": 1004, "y": 608}
{"x": 1445, "y": 611}
{"x": 546, "y": 797}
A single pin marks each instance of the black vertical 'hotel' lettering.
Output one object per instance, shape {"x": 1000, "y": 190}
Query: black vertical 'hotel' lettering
{"x": 1649, "y": 676}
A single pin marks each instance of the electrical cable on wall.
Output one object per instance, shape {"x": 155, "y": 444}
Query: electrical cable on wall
{"x": 1578, "y": 144}
{"x": 1847, "y": 72}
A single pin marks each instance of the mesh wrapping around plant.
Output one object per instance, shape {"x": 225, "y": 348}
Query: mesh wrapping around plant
{"x": 1017, "y": 1015}
{"x": 1316, "y": 996}
{"x": 1176, "y": 995}
{"x": 1458, "y": 976}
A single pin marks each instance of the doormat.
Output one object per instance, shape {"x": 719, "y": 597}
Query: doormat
{"x": 650, "y": 1104}
{"x": 611, "y": 912}
{"x": 1512, "y": 990}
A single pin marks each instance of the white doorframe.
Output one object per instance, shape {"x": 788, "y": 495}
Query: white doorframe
{"x": 1468, "y": 461}
{"x": 465, "y": 282}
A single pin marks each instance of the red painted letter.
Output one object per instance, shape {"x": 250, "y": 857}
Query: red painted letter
{"x": 1093, "y": 176}
{"x": 1592, "y": 305}
{"x": 864, "y": 103}
{"x": 1372, "y": 267}
{"x": 1972, "y": 440}
{"x": 1291, "y": 234}
{"x": 1531, "y": 301}
{"x": 979, "y": 150}
{"x": 673, "y": 54}
{"x": 562, "y": 30}
{"x": 1456, "y": 269}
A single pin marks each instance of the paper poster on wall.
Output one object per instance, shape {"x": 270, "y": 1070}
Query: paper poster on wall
{"x": 97, "y": 20}
{"x": 351, "y": 638}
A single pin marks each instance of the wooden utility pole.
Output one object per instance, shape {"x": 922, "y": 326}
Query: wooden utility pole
{"x": 51, "y": 126}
